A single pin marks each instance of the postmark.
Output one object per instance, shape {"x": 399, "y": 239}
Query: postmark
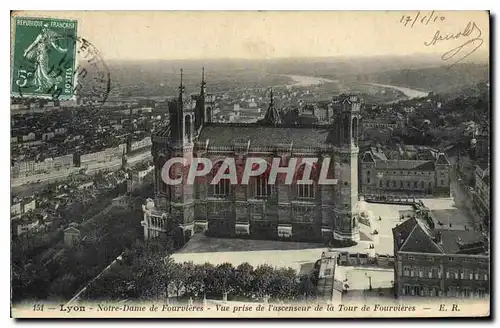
{"x": 52, "y": 62}
{"x": 92, "y": 76}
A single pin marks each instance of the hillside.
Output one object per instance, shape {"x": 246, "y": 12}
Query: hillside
{"x": 434, "y": 79}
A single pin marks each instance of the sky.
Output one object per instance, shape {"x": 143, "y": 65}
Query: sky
{"x": 152, "y": 35}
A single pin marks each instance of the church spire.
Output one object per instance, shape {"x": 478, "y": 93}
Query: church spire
{"x": 272, "y": 114}
{"x": 203, "y": 83}
{"x": 181, "y": 89}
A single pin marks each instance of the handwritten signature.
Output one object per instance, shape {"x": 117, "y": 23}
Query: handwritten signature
{"x": 464, "y": 50}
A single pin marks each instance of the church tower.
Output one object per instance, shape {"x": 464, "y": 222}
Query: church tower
{"x": 201, "y": 115}
{"x": 346, "y": 121}
{"x": 272, "y": 116}
{"x": 177, "y": 200}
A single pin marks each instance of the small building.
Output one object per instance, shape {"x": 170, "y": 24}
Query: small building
{"x": 122, "y": 202}
{"x": 26, "y": 224}
{"x": 328, "y": 286}
{"x": 72, "y": 235}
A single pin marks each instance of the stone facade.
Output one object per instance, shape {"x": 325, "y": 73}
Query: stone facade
{"x": 440, "y": 263}
{"x": 310, "y": 212}
{"x": 410, "y": 177}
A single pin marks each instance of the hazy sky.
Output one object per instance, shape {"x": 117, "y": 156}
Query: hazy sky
{"x": 192, "y": 35}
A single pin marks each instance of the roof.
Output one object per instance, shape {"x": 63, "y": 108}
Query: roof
{"x": 414, "y": 235}
{"x": 72, "y": 230}
{"x": 484, "y": 165}
{"x": 228, "y": 134}
{"x": 378, "y": 153}
{"x": 368, "y": 157}
{"x": 442, "y": 160}
{"x": 462, "y": 241}
{"x": 164, "y": 132}
{"x": 406, "y": 165}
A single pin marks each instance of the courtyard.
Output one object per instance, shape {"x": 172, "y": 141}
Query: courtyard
{"x": 302, "y": 256}
{"x": 298, "y": 256}
{"x": 446, "y": 211}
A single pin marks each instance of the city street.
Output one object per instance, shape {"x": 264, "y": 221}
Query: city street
{"x": 359, "y": 280}
{"x": 456, "y": 210}
{"x": 27, "y": 185}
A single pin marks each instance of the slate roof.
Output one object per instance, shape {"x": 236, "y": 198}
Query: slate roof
{"x": 420, "y": 240}
{"x": 406, "y": 165}
{"x": 164, "y": 132}
{"x": 414, "y": 235}
{"x": 471, "y": 242}
{"x": 228, "y": 134}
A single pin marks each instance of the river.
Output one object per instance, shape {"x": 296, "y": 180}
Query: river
{"x": 304, "y": 81}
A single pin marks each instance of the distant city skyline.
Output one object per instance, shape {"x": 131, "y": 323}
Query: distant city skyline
{"x": 274, "y": 35}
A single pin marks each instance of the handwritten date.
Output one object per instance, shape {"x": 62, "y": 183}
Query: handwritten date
{"x": 421, "y": 18}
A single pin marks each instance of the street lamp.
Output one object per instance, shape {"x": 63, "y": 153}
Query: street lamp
{"x": 369, "y": 280}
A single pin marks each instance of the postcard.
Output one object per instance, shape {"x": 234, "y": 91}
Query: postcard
{"x": 250, "y": 164}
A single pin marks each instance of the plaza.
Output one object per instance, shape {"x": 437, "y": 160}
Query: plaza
{"x": 298, "y": 256}
{"x": 302, "y": 256}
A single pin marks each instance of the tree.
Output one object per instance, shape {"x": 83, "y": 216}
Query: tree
{"x": 177, "y": 282}
{"x": 282, "y": 284}
{"x": 151, "y": 266}
{"x": 206, "y": 272}
{"x": 116, "y": 285}
{"x": 262, "y": 279}
{"x": 223, "y": 276}
{"x": 305, "y": 287}
{"x": 62, "y": 287}
{"x": 194, "y": 279}
{"x": 244, "y": 276}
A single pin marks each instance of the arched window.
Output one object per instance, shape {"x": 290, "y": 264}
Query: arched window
{"x": 346, "y": 127}
{"x": 160, "y": 162}
{"x": 187, "y": 127}
{"x": 262, "y": 189}
{"x": 208, "y": 114}
{"x": 354, "y": 129}
{"x": 306, "y": 191}
{"x": 223, "y": 188}
{"x": 353, "y": 223}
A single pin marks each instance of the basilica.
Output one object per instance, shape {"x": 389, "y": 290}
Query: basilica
{"x": 258, "y": 210}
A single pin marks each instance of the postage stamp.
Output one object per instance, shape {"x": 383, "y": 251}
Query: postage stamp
{"x": 44, "y": 58}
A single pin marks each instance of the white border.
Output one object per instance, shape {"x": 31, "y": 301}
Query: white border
{"x": 200, "y": 5}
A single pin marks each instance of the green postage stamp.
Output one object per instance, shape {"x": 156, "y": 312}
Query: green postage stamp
{"x": 44, "y": 58}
